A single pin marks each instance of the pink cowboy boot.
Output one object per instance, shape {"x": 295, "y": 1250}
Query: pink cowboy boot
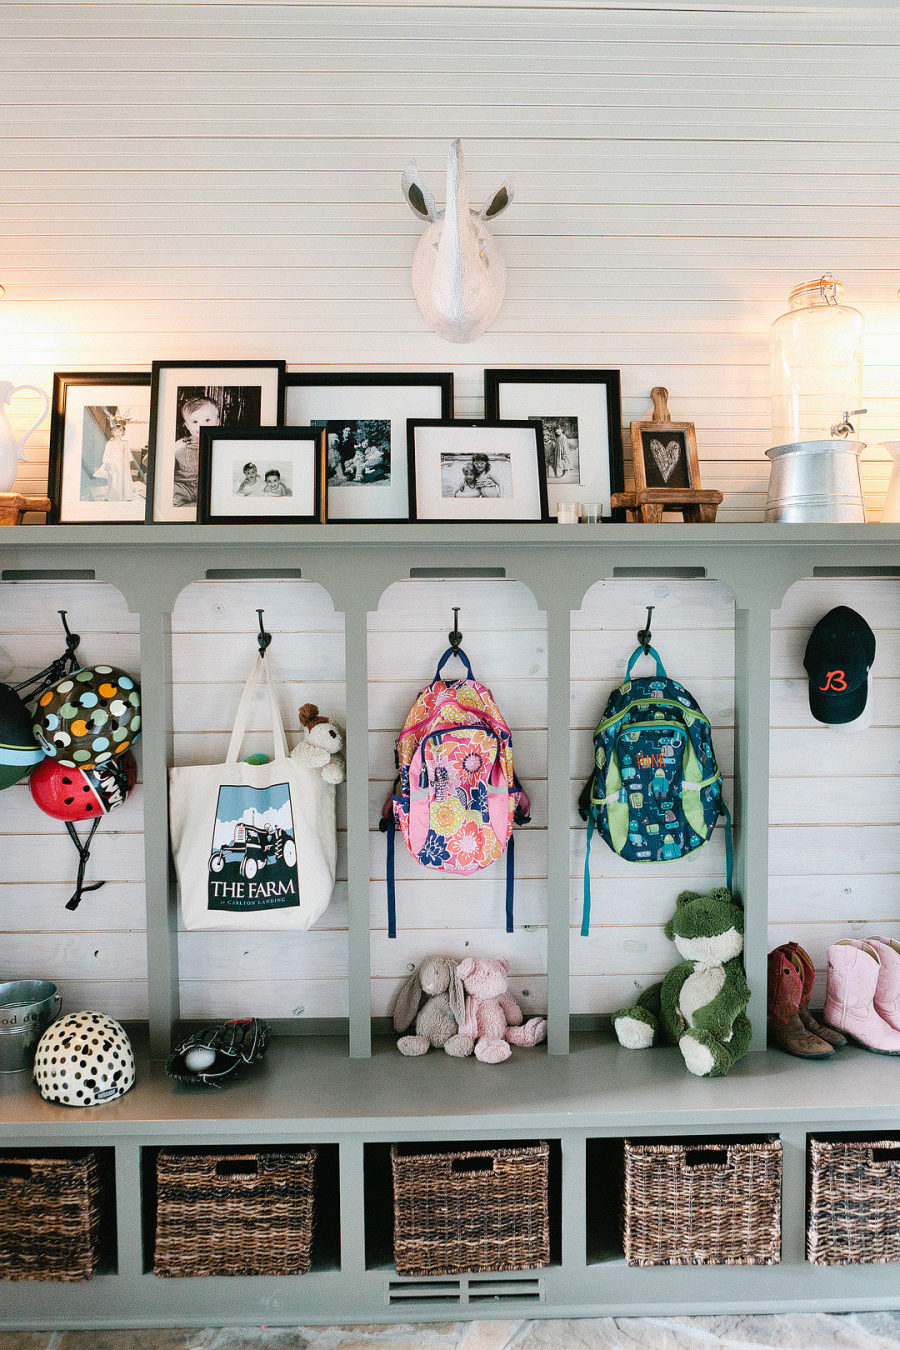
{"x": 853, "y": 971}
{"x": 887, "y": 991}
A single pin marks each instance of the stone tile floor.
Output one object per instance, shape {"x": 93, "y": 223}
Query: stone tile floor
{"x": 807, "y": 1331}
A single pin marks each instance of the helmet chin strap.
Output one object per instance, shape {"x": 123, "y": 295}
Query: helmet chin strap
{"x": 84, "y": 852}
{"x": 63, "y": 665}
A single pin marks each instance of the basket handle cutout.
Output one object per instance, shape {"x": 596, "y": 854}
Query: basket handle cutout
{"x": 16, "y": 1170}
{"x": 472, "y": 1165}
{"x": 232, "y": 1167}
{"x": 886, "y": 1154}
{"x": 706, "y": 1157}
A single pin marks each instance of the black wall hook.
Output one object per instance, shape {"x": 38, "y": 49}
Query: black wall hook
{"x": 456, "y": 636}
{"x": 72, "y": 639}
{"x": 645, "y": 635}
{"x": 264, "y": 638}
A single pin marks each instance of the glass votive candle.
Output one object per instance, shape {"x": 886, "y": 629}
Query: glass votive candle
{"x": 590, "y": 512}
{"x": 567, "y": 513}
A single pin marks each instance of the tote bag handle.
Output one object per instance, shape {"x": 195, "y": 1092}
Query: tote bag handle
{"x": 243, "y": 713}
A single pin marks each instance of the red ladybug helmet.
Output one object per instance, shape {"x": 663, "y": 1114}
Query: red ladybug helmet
{"x": 82, "y": 794}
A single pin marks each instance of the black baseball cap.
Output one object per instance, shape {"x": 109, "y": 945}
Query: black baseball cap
{"x": 838, "y": 658}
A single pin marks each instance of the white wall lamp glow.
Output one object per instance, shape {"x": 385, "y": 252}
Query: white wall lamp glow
{"x": 458, "y": 272}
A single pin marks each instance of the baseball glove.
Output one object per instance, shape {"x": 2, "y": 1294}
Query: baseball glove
{"x": 214, "y": 1054}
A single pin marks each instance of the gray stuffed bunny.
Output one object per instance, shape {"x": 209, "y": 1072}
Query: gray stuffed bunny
{"x": 439, "y": 1020}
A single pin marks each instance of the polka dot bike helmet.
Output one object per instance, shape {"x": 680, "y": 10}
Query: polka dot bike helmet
{"x": 88, "y": 717}
{"x": 82, "y": 794}
{"x": 83, "y": 1059}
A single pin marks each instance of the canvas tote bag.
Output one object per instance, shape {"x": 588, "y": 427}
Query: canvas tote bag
{"x": 254, "y": 844}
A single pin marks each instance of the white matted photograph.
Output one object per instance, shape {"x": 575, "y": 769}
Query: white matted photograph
{"x": 272, "y": 475}
{"x": 99, "y": 434}
{"x": 366, "y": 418}
{"x": 188, "y": 396}
{"x": 476, "y": 471}
{"x": 581, "y": 423}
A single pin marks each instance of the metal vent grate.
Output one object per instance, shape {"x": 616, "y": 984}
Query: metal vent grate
{"x": 489, "y": 1289}
{"x": 468, "y": 1289}
{"x": 419, "y": 1291}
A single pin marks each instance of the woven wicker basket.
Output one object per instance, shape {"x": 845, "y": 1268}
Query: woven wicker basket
{"x": 702, "y": 1204}
{"x": 854, "y": 1201}
{"x": 464, "y": 1211}
{"x": 49, "y": 1216}
{"x": 245, "y": 1213}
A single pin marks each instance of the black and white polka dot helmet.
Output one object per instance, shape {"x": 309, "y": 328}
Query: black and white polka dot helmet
{"x": 83, "y": 1059}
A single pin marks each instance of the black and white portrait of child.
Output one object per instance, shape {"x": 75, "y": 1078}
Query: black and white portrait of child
{"x": 475, "y": 475}
{"x": 207, "y": 406}
{"x": 262, "y": 478}
{"x": 561, "y": 450}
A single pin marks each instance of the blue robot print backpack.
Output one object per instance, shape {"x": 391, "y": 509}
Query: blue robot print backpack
{"x": 656, "y": 789}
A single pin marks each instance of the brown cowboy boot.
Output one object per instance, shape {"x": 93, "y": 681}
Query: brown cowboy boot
{"x": 785, "y": 1027}
{"x": 802, "y": 961}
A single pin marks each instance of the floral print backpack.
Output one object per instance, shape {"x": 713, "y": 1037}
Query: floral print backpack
{"x": 456, "y": 797}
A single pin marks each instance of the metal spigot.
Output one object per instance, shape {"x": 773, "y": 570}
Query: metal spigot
{"x": 846, "y": 428}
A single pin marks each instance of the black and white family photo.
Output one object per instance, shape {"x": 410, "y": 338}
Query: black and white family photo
{"x": 113, "y": 453}
{"x": 262, "y": 478}
{"x": 357, "y": 452}
{"x": 561, "y": 454}
{"x": 207, "y": 406}
{"x": 475, "y": 475}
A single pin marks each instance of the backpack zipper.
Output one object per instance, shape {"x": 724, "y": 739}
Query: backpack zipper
{"x": 653, "y": 703}
{"x": 423, "y": 721}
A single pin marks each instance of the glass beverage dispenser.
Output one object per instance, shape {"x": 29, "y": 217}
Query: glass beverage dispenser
{"x": 815, "y": 352}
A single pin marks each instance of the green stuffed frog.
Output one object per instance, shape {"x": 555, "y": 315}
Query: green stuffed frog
{"x": 699, "y": 1006}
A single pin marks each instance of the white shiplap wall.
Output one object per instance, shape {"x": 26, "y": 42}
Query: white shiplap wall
{"x": 835, "y": 793}
{"x": 211, "y": 180}
{"x": 190, "y": 180}
{"x": 96, "y": 954}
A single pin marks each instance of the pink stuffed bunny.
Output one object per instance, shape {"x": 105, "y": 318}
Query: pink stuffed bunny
{"x": 493, "y": 1018}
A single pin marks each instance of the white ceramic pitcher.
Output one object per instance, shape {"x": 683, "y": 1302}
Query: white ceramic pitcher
{"x": 12, "y": 450}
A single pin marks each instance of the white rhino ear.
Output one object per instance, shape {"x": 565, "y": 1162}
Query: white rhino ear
{"x": 416, "y": 193}
{"x": 500, "y": 200}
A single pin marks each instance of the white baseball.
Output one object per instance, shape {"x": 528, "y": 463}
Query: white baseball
{"x": 200, "y": 1058}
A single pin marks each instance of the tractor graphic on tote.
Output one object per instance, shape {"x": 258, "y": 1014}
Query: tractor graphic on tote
{"x": 254, "y": 847}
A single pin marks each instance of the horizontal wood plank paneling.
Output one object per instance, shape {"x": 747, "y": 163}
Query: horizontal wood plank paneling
{"x": 222, "y": 180}
{"x": 835, "y": 790}
{"x": 96, "y": 953}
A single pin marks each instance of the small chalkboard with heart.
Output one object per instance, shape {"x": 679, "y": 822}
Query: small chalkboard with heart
{"x": 665, "y": 452}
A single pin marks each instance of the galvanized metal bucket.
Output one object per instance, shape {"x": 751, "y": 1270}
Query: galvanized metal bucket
{"x": 816, "y": 481}
{"x": 27, "y": 1007}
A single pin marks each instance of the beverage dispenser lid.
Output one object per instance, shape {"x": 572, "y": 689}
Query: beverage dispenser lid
{"x": 826, "y": 287}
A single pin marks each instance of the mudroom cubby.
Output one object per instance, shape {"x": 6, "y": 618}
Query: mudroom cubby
{"x": 361, "y": 611}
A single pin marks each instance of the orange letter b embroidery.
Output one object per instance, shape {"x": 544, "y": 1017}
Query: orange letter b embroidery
{"x": 835, "y": 681}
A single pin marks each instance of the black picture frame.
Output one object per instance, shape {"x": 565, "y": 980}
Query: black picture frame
{"x": 299, "y": 407}
{"x": 484, "y": 426}
{"x": 211, "y": 437}
{"x": 59, "y": 469}
{"x": 611, "y": 424}
{"x": 159, "y": 453}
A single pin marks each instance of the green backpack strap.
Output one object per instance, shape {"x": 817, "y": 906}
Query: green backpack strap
{"x": 586, "y": 909}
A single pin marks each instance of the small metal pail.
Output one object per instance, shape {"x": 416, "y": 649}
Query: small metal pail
{"x": 27, "y": 1007}
{"x": 815, "y": 481}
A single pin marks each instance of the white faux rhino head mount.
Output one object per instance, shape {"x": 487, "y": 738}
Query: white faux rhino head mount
{"x": 458, "y": 272}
